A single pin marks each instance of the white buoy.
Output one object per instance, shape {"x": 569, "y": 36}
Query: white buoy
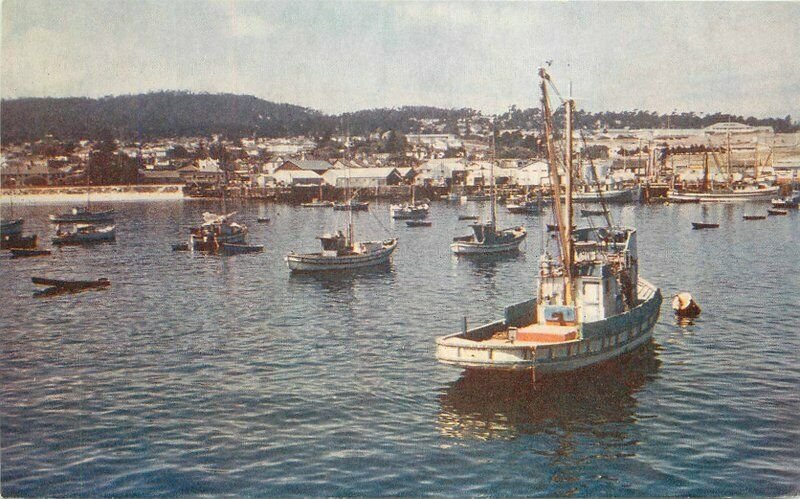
{"x": 684, "y": 305}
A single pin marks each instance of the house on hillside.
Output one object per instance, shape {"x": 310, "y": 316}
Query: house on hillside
{"x": 30, "y": 173}
{"x": 202, "y": 172}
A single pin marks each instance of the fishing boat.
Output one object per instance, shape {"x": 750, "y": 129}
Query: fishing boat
{"x": 83, "y": 215}
{"x": 531, "y": 207}
{"x": 419, "y": 223}
{"x": 23, "y": 253}
{"x": 704, "y": 225}
{"x": 84, "y": 234}
{"x": 791, "y": 201}
{"x": 341, "y": 251}
{"x": 591, "y": 305}
{"x": 777, "y": 211}
{"x": 317, "y": 204}
{"x": 754, "y": 217}
{"x": 215, "y": 231}
{"x": 486, "y": 238}
{"x": 352, "y": 205}
{"x": 18, "y": 241}
{"x": 409, "y": 211}
{"x": 729, "y": 192}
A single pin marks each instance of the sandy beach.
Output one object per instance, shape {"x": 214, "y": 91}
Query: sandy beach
{"x": 78, "y": 194}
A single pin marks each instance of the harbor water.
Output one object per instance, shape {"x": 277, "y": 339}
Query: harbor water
{"x": 199, "y": 374}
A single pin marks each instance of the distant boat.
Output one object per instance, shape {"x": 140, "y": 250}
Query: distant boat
{"x": 467, "y": 217}
{"x": 776, "y": 211}
{"x": 317, "y": 204}
{"x": 263, "y": 220}
{"x": 59, "y": 286}
{"x": 486, "y": 238}
{"x": 409, "y": 211}
{"x": 419, "y": 223}
{"x": 476, "y": 197}
{"x": 11, "y": 227}
{"x": 592, "y": 213}
{"x": 11, "y": 241}
{"x": 71, "y": 284}
{"x": 352, "y": 205}
{"x": 754, "y": 217}
{"x": 704, "y": 225}
{"x": 215, "y": 231}
{"x": 83, "y": 215}
{"x": 525, "y": 207}
{"x": 342, "y": 251}
{"x": 621, "y": 195}
{"x": 22, "y": 253}
{"x": 787, "y": 202}
{"x": 84, "y": 234}
{"x": 239, "y": 249}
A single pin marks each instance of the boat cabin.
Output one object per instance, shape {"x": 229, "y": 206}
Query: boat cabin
{"x": 605, "y": 276}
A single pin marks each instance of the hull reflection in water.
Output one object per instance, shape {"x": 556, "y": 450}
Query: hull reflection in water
{"x": 503, "y": 405}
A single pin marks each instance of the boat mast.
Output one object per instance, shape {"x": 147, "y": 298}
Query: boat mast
{"x": 730, "y": 172}
{"x": 568, "y": 298}
{"x": 555, "y": 186}
{"x": 491, "y": 177}
{"x": 349, "y": 240}
{"x": 705, "y": 172}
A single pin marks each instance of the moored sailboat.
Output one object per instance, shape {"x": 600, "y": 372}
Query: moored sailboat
{"x": 591, "y": 305}
{"x": 409, "y": 211}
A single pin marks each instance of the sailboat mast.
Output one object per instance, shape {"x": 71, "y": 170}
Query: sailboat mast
{"x": 491, "y": 178}
{"x": 730, "y": 172}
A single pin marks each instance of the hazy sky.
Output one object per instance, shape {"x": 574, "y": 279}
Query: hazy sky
{"x": 341, "y": 56}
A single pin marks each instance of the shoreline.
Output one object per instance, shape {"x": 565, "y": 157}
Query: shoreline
{"x": 78, "y": 194}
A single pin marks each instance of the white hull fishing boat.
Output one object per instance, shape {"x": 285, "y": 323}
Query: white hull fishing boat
{"x": 341, "y": 251}
{"x": 747, "y": 193}
{"x": 591, "y": 305}
{"x": 85, "y": 234}
{"x": 338, "y": 254}
{"x": 486, "y": 238}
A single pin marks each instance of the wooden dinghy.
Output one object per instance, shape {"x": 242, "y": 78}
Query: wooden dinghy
{"x": 775, "y": 211}
{"x": 754, "y": 217}
{"x": 467, "y": 217}
{"x": 704, "y": 225}
{"x": 23, "y": 252}
{"x": 59, "y": 286}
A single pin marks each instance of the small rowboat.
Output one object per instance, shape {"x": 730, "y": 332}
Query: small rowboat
{"x": 754, "y": 217}
{"x": 775, "y": 211}
{"x": 22, "y": 252}
{"x": 704, "y": 225}
{"x": 240, "y": 249}
{"x": 68, "y": 285}
{"x": 419, "y": 223}
{"x": 263, "y": 220}
{"x": 467, "y": 217}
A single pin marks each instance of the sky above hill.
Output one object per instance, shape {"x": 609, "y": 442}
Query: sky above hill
{"x": 340, "y": 56}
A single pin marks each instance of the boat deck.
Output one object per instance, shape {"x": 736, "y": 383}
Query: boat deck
{"x": 532, "y": 335}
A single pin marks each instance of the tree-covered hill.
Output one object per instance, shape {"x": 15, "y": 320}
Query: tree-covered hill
{"x": 181, "y": 114}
